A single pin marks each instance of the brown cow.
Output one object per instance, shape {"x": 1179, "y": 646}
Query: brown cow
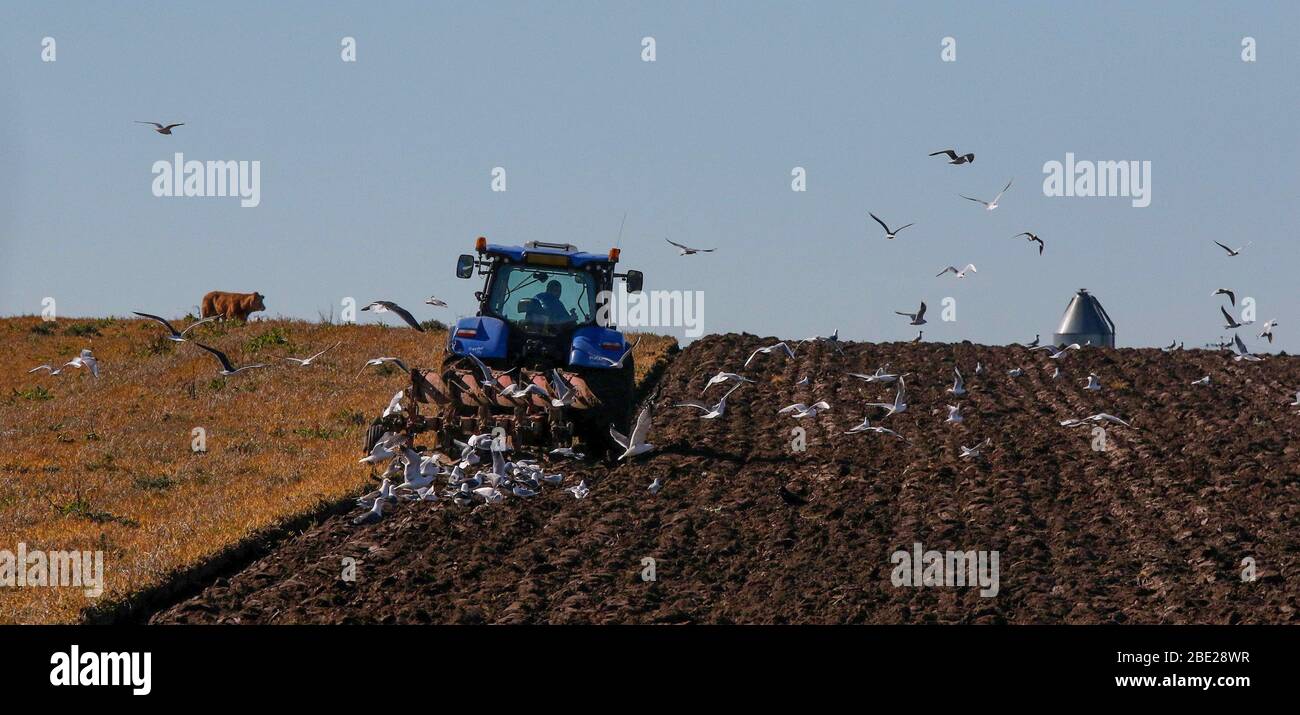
{"x": 231, "y": 305}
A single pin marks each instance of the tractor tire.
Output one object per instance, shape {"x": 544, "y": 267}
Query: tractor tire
{"x": 616, "y": 390}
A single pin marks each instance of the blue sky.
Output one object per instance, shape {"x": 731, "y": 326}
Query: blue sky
{"x": 376, "y": 174}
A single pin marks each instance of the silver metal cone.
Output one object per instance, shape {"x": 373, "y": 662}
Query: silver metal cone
{"x": 1085, "y": 322}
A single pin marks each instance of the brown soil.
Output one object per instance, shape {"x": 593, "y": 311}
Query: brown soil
{"x": 1153, "y": 530}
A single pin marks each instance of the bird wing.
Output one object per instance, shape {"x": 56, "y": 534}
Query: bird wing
{"x": 197, "y": 323}
{"x": 1231, "y": 323}
{"x": 696, "y": 404}
{"x": 1241, "y": 347}
{"x": 951, "y": 154}
{"x": 1220, "y": 245}
{"x": 971, "y": 267}
{"x": 798, "y": 406}
{"x": 173, "y": 126}
{"x": 156, "y": 124}
{"x": 406, "y": 316}
{"x": 225, "y": 361}
{"x": 946, "y": 270}
{"x": 158, "y": 319}
{"x": 882, "y": 223}
{"x": 900, "y": 228}
{"x": 921, "y": 313}
{"x": 313, "y": 357}
{"x": 978, "y": 201}
{"x": 642, "y": 428}
{"x": 684, "y": 248}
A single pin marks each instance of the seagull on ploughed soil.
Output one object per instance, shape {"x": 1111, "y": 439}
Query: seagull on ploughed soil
{"x": 973, "y": 452}
{"x": 1094, "y": 383}
{"x": 1015, "y": 372}
{"x": 710, "y": 411}
{"x": 1268, "y": 330}
{"x": 388, "y": 306}
{"x": 1233, "y": 251}
{"x": 580, "y": 491}
{"x": 954, "y": 414}
{"x": 1296, "y": 401}
{"x": 954, "y": 157}
{"x": 1097, "y": 418}
{"x": 436, "y": 302}
{"x": 900, "y": 397}
{"x": 228, "y": 368}
{"x": 958, "y": 384}
{"x": 160, "y": 128}
{"x": 1032, "y": 238}
{"x": 989, "y": 205}
{"x": 619, "y": 364}
{"x": 383, "y": 360}
{"x": 489, "y": 495}
{"x": 917, "y": 318}
{"x": 833, "y": 339}
{"x": 636, "y": 444}
{"x": 655, "y": 486}
{"x": 1170, "y": 346}
{"x": 383, "y": 493}
{"x": 979, "y": 368}
{"x": 1232, "y": 297}
{"x": 1056, "y": 372}
{"x": 799, "y": 410}
{"x": 304, "y": 362}
{"x": 1242, "y": 352}
{"x": 779, "y": 347}
{"x": 1230, "y": 323}
{"x": 865, "y": 426}
{"x": 385, "y": 448}
{"x": 889, "y": 234}
{"x": 177, "y": 336}
{"x": 881, "y": 375}
{"x": 1058, "y": 353}
{"x": 919, "y": 334}
{"x": 1204, "y": 381}
{"x": 567, "y": 452}
{"x": 804, "y": 381}
{"x": 375, "y": 514}
{"x": 970, "y": 267}
{"x": 520, "y": 490}
{"x": 689, "y": 251}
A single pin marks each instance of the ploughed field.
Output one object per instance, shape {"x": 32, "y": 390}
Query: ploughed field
{"x": 747, "y": 529}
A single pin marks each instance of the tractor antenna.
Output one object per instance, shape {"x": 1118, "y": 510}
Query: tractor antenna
{"x": 618, "y": 243}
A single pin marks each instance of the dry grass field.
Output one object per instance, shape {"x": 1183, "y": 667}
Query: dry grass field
{"x": 107, "y": 464}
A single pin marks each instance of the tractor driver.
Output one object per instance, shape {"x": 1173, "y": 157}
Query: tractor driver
{"x": 547, "y": 305}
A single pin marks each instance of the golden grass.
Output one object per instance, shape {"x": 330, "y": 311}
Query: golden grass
{"x": 107, "y": 465}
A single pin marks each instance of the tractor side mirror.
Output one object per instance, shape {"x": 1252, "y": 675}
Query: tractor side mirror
{"x": 635, "y": 281}
{"x": 464, "y": 266}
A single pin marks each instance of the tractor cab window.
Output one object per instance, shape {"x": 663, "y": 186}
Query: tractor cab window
{"x": 543, "y": 299}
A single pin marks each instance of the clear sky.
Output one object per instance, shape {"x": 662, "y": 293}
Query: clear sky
{"x": 376, "y": 174}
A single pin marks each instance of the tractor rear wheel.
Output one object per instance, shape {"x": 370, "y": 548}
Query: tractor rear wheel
{"x": 616, "y": 390}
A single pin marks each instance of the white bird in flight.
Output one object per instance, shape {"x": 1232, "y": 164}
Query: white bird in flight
{"x": 959, "y": 273}
{"x": 889, "y": 234}
{"x": 228, "y": 368}
{"x": 1203, "y": 381}
{"x": 436, "y": 302}
{"x": 917, "y": 318}
{"x": 688, "y": 251}
{"x": 779, "y": 347}
{"x": 990, "y": 205}
{"x": 799, "y": 410}
{"x": 722, "y": 378}
{"x": 881, "y": 375}
{"x": 1055, "y": 353}
{"x": 1233, "y": 251}
{"x": 865, "y": 426}
{"x": 972, "y": 452}
{"x": 388, "y": 306}
{"x": 160, "y": 128}
{"x": 900, "y": 404}
{"x": 710, "y": 411}
{"x": 177, "y": 336}
{"x": 617, "y": 365}
{"x": 304, "y": 362}
{"x": 1268, "y": 330}
{"x": 1094, "y": 383}
{"x": 382, "y": 360}
{"x": 1242, "y": 352}
{"x": 958, "y": 384}
{"x": 636, "y": 444}
{"x": 954, "y": 414}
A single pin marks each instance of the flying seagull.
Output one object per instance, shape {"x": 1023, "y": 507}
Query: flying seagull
{"x": 972, "y": 452}
{"x": 619, "y": 364}
{"x": 52, "y": 370}
{"x": 177, "y": 336}
{"x": 917, "y": 318}
{"x": 688, "y": 251}
{"x": 799, "y": 410}
{"x": 160, "y": 128}
{"x": 227, "y": 368}
{"x": 381, "y": 360}
{"x": 636, "y": 444}
{"x": 1242, "y": 352}
{"x": 888, "y": 233}
{"x": 385, "y": 306}
{"x": 722, "y": 378}
{"x": 1203, "y": 381}
{"x": 87, "y": 360}
{"x": 865, "y": 426}
{"x": 436, "y": 302}
{"x": 900, "y": 404}
{"x": 1058, "y": 354}
{"x": 954, "y": 414}
{"x": 1094, "y": 383}
{"x": 959, "y": 273}
{"x": 1268, "y": 330}
{"x": 779, "y": 347}
{"x": 1232, "y": 252}
{"x": 1032, "y": 238}
{"x": 1230, "y": 322}
{"x": 958, "y": 384}
{"x": 989, "y": 205}
{"x": 880, "y": 375}
{"x": 710, "y": 411}
{"x": 833, "y": 339}
{"x": 1224, "y": 291}
{"x": 954, "y": 157}
{"x": 304, "y": 362}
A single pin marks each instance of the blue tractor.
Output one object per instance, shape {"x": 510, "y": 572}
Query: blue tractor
{"x": 541, "y": 364}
